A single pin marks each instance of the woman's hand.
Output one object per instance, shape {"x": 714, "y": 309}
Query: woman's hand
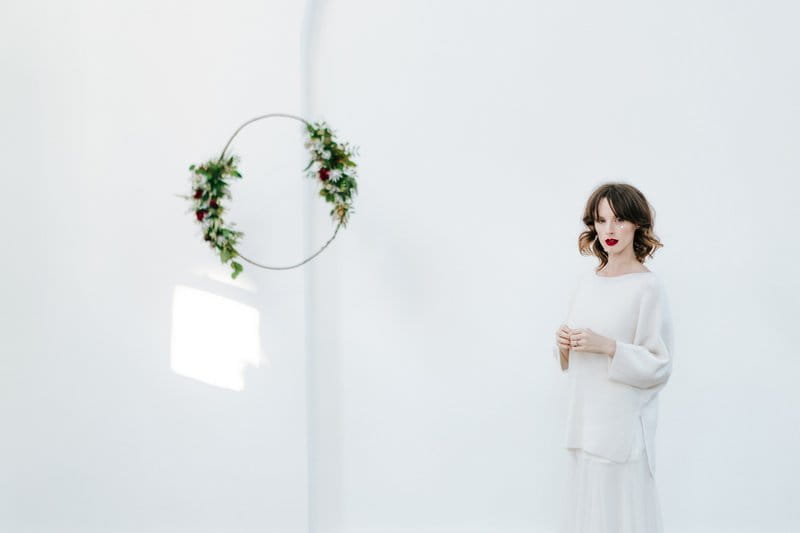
{"x": 586, "y": 340}
{"x": 562, "y": 338}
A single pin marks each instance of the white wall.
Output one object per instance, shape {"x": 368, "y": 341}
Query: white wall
{"x": 430, "y": 400}
{"x": 483, "y": 128}
{"x": 105, "y": 105}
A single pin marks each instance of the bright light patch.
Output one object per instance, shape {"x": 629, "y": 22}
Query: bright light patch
{"x": 213, "y": 338}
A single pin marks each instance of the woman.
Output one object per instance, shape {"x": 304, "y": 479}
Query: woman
{"x": 616, "y": 347}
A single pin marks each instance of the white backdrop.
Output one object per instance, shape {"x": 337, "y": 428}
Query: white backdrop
{"x": 105, "y": 425}
{"x": 430, "y": 400}
{"x": 484, "y": 127}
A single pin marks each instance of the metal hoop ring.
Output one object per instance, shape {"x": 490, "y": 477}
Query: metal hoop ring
{"x": 335, "y": 231}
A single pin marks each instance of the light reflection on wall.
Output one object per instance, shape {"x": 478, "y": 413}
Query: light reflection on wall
{"x": 213, "y": 338}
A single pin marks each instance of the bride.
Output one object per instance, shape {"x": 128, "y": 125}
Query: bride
{"x": 616, "y": 348}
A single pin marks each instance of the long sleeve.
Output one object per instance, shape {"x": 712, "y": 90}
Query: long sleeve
{"x": 564, "y": 362}
{"x": 647, "y": 362}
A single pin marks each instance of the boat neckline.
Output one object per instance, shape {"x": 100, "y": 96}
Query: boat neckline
{"x": 622, "y": 275}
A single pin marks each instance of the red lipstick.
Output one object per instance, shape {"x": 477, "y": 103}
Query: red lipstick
{"x": 611, "y": 242}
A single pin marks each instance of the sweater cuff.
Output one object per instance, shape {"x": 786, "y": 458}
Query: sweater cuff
{"x": 637, "y": 366}
{"x": 563, "y": 362}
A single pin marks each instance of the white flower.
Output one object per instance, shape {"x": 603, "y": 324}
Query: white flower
{"x": 335, "y": 175}
{"x": 326, "y": 154}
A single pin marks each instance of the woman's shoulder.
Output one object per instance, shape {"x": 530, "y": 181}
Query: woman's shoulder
{"x": 653, "y": 291}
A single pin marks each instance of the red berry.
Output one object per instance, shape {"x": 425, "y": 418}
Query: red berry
{"x": 198, "y": 193}
{"x": 200, "y": 214}
{"x": 213, "y": 202}
{"x": 324, "y": 174}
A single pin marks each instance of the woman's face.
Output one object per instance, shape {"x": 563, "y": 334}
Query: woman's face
{"x": 614, "y": 234}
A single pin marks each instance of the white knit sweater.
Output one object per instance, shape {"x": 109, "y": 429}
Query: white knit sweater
{"x": 610, "y": 396}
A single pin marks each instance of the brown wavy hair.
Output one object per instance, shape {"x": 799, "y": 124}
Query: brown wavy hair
{"x": 628, "y": 203}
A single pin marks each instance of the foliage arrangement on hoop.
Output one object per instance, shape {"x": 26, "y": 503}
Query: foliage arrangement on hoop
{"x": 331, "y": 165}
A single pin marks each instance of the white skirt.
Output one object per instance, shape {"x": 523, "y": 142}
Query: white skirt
{"x": 602, "y": 496}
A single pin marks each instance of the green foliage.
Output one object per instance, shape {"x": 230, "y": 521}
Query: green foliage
{"x": 331, "y": 165}
{"x": 209, "y": 188}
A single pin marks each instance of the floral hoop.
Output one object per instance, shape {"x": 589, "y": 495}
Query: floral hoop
{"x": 331, "y": 165}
